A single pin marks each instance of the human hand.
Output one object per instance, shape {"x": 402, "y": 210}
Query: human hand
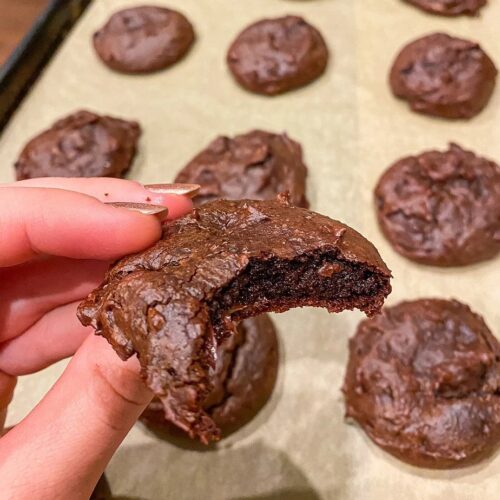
{"x": 57, "y": 239}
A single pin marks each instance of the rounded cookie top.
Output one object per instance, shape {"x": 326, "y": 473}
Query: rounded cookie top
{"x": 423, "y": 381}
{"x": 444, "y": 76}
{"x": 243, "y": 379}
{"x": 441, "y": 208}
{"x": 83, "y": 144}
{"x": 450, "y": 7}
{"x": 274, "y": 56}
{"x": 257, "y": 165}
{"x": 143, "y": 39}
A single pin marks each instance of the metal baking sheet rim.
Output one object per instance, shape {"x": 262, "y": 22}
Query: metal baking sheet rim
{"x": 27, "y": 61}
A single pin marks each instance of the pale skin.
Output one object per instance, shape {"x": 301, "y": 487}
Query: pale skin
{"x": 57, "y": 239}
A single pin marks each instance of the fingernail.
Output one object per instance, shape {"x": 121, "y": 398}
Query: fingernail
{"x": 190, "y": 190}
{"x": 143, "y": 208}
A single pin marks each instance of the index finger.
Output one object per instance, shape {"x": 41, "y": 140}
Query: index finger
{"x": 46, "y": 221}
{"x": 108, "y": 189}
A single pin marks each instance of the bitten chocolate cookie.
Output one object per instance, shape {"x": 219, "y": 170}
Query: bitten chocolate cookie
{"x": 258, "y": 166}
{"x": 143, "y": 39}
{"x": 423, "y": 381}
{"x": 441, "y": 208}
{"x": 243, "y": 378}
{"x": 450, "y": 7}
{"x": 226, "y": 261}
{"x": 274, "y": 56}
{"x": 444, "y": 76}
{"x": 83, "y": 144}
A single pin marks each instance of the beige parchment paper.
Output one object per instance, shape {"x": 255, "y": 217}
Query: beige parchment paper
{"x": 351, "y": 127}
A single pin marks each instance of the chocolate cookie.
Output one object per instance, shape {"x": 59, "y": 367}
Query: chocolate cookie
{"x": 274, "y": 56}
{"x": 83, "y": 144}
{"x": 441, "y": 208}
{"x": 143, "y": 39}
{"x": 450, "y": 7}
{"x": 226, "y": 261}
{"x": 444, "y": 76}
{"x": 258, "y": 166}
{"x": 243, "y": 378}
{"x": 423, "y": 381}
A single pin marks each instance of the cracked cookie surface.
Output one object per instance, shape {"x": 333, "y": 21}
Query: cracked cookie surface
{"x": 257, "y": 166}
{"x": 423, "y": 381}
{"x": 441, "y": 208}
{"x": 243, "y": 378}
{"x": 444, "y": 76}
{"x": 83, "y": 144}
{"x": 143, "y": 39}
{"x": 273, "y": 56}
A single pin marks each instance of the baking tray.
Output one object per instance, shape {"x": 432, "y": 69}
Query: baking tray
{"x": 351, "y": 128}
{"x": 28, "y": 59}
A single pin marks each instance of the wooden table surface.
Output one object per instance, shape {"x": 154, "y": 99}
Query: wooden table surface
{"x": 16, "y": 18}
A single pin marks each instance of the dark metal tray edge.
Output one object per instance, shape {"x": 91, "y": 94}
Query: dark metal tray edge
{"x": 27, "y": 61}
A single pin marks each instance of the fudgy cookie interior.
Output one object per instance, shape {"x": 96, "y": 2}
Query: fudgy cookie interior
{"x": 278, "y": 285}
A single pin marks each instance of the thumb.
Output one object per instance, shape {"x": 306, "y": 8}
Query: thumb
{"x": 76, "y": 428}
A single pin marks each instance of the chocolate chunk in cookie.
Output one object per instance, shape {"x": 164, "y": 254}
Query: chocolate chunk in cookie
{"x": 444, "y": 76}
{"x": 257, "y": 166}
{"x": 174, "y": 303}
{"x": 83, "y": 144}
{"x": 243, "y": 379}
{"x": 450, "y": 7}
{"x": 423, "y": 381}
{"x": 274, "y": 56}
{"x": 143, "y": 39}
{"x": 441, "y": 208}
